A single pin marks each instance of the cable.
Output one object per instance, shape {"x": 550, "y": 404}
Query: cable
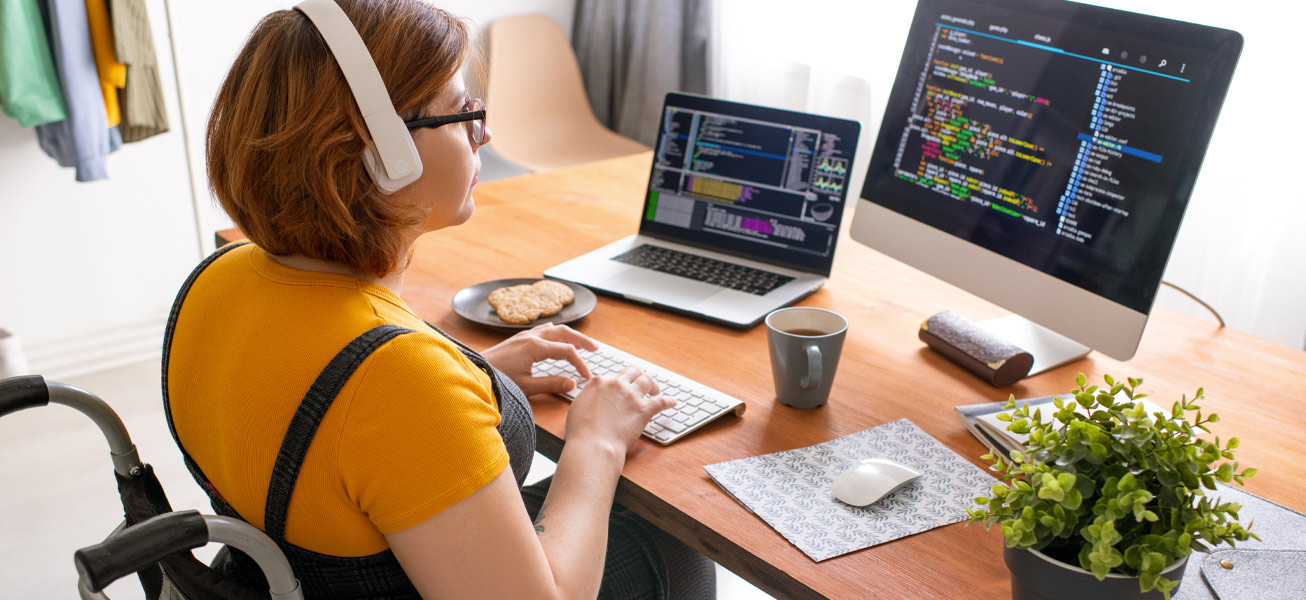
{"x": 1195, "y": 299}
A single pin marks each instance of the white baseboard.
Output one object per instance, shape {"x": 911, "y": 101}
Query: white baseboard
{"x": 98, "y": 350}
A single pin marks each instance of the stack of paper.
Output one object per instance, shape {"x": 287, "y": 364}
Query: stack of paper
{"x": 982, "y": 419}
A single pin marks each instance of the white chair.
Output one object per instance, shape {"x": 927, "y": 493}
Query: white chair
{"x": 539, "y": 114}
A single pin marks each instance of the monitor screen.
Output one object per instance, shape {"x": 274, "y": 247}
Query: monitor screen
{"x": 1062, "y": 137}
{"x": 751, "y": 181}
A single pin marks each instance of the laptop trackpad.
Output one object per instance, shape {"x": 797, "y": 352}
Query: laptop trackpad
{"x": 659, "y": 287}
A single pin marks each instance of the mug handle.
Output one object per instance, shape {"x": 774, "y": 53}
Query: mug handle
{"x": 813, "y": 378}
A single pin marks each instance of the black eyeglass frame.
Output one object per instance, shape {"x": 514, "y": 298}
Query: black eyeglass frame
{"x": 441, "y": 120}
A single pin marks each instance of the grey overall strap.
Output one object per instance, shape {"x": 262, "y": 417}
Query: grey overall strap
{"x": 303, "y": 426}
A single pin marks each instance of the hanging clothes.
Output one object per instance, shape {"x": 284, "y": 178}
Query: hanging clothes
{"x": 113, "y": 74}
{"x": 29, "y": 87}
{"x": 84, "y": 139}
{"x": 143, "y": 111}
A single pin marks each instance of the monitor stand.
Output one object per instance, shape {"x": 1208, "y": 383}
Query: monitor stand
{"x": 1049, "y": 348}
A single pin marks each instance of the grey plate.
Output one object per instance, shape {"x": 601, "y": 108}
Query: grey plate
{"x": 472, "y": 303}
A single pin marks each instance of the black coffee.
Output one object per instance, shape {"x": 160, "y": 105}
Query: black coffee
{"x": 806, "y": 332}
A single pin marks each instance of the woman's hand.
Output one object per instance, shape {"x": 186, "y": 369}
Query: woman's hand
{"x": 614, "y": 409}
{"x": 515, "y": 356}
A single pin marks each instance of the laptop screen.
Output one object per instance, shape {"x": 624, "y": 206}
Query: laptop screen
{"x": 755, "y": 182}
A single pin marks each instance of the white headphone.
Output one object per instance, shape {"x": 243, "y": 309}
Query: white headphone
{"x": 391, "y": 157}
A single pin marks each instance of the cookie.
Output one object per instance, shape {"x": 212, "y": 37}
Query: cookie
{"x": 521, "y": 304}
{"x": 554, "y": 289}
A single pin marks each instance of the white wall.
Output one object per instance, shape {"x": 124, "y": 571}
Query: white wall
{"x": 88, "y": 271}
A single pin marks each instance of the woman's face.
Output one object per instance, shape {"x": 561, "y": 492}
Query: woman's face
{"x": 450, "y": 164}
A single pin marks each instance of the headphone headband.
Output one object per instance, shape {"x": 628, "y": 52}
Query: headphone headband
{"x": 392, "y": 158}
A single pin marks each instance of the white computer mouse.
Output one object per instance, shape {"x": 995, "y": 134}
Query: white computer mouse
{"x": 870, "y": 479}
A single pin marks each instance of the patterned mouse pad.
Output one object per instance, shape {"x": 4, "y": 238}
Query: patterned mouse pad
{"x": 790, "y": 490}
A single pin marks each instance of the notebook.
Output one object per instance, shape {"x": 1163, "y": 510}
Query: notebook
{"x": 741, "y": 214}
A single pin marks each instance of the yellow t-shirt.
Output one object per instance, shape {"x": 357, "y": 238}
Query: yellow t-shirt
{"x": 410, "y": 434}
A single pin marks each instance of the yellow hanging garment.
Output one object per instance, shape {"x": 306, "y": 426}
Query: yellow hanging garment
{"x": 113, "y": 74}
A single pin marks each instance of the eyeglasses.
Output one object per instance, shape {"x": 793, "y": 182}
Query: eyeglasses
{"x": 473, "y": 111}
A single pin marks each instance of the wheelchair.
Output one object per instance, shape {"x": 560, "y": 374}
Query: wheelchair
{"x": 153, "y": 541}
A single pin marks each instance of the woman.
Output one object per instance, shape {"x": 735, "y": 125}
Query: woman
{"x": 395, "y": 470}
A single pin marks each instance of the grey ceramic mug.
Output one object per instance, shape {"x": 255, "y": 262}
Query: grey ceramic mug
{"x": 805, "y": 346}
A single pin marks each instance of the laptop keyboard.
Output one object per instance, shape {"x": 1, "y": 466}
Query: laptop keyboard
{"x": 701, "y": 268}
{"x": 697, "y": 404}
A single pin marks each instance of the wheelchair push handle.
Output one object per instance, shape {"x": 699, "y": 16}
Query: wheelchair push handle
{"x": 149, "y": 541}
{"x": 25, "y": 391}
{"x": 140, "y": 546}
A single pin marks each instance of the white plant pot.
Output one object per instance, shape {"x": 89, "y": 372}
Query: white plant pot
{"x": 1036, "y": 576}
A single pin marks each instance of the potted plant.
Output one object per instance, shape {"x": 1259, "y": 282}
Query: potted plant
{"x": 1107, "y": 493}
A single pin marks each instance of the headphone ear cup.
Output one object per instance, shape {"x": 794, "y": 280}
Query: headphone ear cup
{"x": 376, "y": 170}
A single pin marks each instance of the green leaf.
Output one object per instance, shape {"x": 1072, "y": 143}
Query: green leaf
{"x": 1003, "y": 416}
{"x": 1233, "y": 443}
{"x": 1249, "y": 472}
{"x": 1080, "y": 379}
{"x": 1146, "y": 581}
{"x": 1126, "y": 483}
{"x": 1072, "y": 499}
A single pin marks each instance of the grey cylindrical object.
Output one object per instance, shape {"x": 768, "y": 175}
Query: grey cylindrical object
{"x": 248, "y": 539}
{"x": 991, "y": 358}
{"x": 122, "y": 451}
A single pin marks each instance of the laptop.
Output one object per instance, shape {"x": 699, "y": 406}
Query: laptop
{"x": 740, "y": 217}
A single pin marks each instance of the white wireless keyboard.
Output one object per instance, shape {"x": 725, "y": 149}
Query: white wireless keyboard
{"x": 696, "y": 404}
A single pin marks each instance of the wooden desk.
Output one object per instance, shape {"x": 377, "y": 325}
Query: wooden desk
{"x": 527, "y": 224}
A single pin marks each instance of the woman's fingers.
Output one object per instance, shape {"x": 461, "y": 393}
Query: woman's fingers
{"x": 639, "y": 380}
{"x": 563, "y": 333}
{"x": 562, "y": 351}
{"x": 554, "y": 384}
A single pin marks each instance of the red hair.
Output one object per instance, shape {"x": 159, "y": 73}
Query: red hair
{"x": 285, "y": 138}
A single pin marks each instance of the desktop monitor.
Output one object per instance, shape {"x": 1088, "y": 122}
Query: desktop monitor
{"x": 1040, "y": 155}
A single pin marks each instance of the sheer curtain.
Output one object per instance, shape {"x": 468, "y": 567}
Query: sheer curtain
{"x": 1241, "y": 246}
